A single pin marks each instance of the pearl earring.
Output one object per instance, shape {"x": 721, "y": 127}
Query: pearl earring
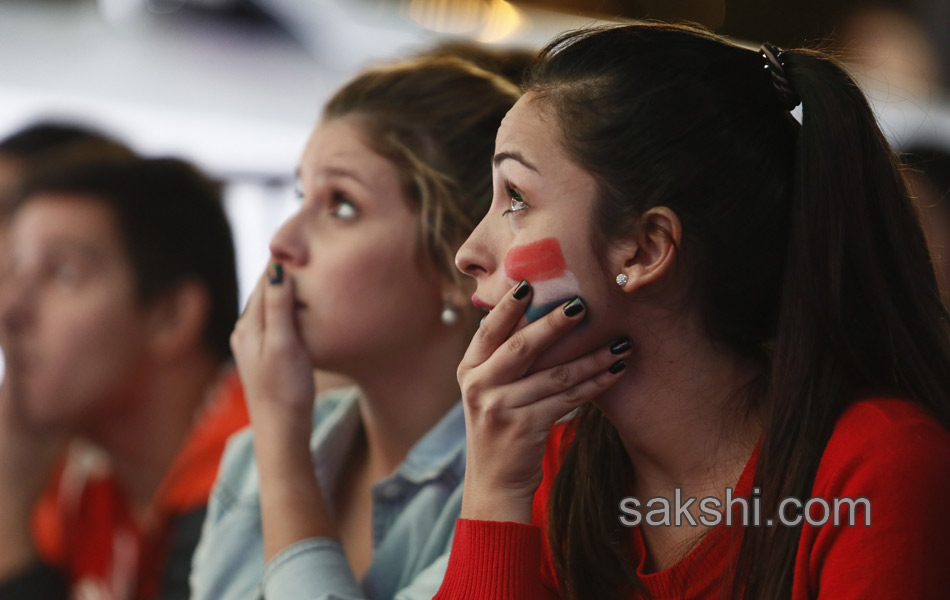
{"x": 621, "y": 280}
{"x": 449, "y": 315}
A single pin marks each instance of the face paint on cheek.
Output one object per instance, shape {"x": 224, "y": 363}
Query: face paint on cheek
{"x": 542, "y": 264}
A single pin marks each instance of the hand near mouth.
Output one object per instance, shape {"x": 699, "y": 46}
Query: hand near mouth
{"x": 509, "y": 413}
{"x": 272, "y": 360}
{"x": 277, "y": 374}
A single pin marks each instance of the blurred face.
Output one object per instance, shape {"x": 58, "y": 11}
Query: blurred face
{"x": 362, "y": 294}
{"x": 11, "y": 170}
{"x": 74, "y": 332}
{"x": 538, "y": 229}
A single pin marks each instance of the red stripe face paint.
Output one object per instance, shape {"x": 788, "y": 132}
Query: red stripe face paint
{"x": 536, "y": 262}
{"x": 542, "y": 264}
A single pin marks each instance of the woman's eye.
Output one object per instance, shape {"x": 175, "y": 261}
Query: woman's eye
{"x": 516, "y": 204}
{"x": 344, "y": 209}
{"x": 65, "y": 274}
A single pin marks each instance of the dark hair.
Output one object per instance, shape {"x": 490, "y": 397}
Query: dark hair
{"x": 172, "y": 223}
{"x": 435, "y": 118}
{"x": 933, "y": 163}
{"x": 41, "y": 137}
{"x": 50, "y": 142}
{"x": 802, "y": 247}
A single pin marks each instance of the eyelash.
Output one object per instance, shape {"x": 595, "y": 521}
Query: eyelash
{"x": 514, "y": 196}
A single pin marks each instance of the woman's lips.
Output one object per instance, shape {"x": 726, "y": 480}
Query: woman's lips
{"x": 481, "y": 304}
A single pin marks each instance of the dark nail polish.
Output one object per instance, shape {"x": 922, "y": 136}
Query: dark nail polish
{"x": 276, "y": 274}
{"x": 620, "y": 346}
{"x": 617, "y": 367}
{"x": 574, "y": 307}
{"x": 522, "y": 290}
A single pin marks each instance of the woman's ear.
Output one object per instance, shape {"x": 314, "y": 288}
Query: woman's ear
{"x": 178, "y": 320}
{"x": 649, "y": 253}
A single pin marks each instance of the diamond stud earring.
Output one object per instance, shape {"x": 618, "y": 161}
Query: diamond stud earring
{"x": 621, "y": 280}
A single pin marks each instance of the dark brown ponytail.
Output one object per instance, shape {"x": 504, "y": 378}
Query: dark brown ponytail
{"x": 860, "y": 306}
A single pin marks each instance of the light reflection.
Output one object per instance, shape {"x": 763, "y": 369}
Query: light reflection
{"x": 486, "y": 20}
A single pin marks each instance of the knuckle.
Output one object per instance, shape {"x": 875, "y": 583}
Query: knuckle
{"x": 604, "y": 380}
{"x": 572, "y": 395}
{"x": 560, "y": 375}
{"x": 518, "y": 343}
{"x": 493, "y": 410}
{"x": 471, "y": 391}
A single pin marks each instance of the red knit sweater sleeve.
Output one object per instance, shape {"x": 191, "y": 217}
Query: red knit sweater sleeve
{"x": 890, "y": 452}
{"x": 494, "y": 560}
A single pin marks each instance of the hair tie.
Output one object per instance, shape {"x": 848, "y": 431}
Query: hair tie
{"x": 776, "y": 67}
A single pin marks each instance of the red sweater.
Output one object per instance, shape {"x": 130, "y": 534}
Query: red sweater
{"x": 886, "y": 450}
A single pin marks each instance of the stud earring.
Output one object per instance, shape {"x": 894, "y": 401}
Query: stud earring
{"x": 449, "y": 315}
{"x": 621, "y": 280}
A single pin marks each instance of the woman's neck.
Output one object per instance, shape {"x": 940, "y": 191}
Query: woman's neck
{"x": 407, "y": 394}
{"x": 683, "y": 414}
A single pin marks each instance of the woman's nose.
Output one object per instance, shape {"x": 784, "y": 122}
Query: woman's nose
{"x": 474, "y": 257}
{"x": 289, "y": 245}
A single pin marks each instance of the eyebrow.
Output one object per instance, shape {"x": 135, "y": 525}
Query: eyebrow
{"x": 515, "y": 156}
{"x": 332, "y": 172}
{"x": 88, "y": 251}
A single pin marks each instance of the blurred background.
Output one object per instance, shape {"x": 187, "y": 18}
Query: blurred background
{"x": 236, "y": 85}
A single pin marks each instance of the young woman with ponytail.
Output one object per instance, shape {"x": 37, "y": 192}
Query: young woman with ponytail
{"x": 743, "y": 305}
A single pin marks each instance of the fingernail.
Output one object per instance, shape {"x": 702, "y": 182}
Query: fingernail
{"x": 482, "y": 322}
{"x": 574, "y": 307}
{"x": 522, "y": 290}
{"x": 617, "y": 367}
{"x": 620, "y": 346}
{"x": 275, "y": 274}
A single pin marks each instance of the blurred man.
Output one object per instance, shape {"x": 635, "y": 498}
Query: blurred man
{"x": 116, "y": 312}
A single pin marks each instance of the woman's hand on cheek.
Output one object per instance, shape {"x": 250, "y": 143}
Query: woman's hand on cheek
{"x": 509, "y": 414}
{"x": 272, "y": 360}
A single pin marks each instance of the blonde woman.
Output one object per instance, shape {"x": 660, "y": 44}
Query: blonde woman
{"x": 363, "y": 502}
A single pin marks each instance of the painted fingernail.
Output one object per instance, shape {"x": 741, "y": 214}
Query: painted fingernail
{"x": 522, "y": 290}
{"x": 275, "y": 274}
{"x": 574, "y": 307}
{"x": 620, "y": 346}
{"x": 617, "y": 367}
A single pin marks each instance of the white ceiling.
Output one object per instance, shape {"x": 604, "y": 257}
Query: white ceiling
{"x": 238, "y": 99}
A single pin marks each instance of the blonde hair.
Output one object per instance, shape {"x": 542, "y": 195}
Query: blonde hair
{"x": 435, "y": 119}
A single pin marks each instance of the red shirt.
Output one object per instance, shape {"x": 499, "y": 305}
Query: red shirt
{"x": 887, "y": 450}
{"x": 84, "y": 523}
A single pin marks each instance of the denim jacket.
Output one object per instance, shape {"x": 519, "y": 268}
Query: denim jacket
{"x": 414, "y": 513}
